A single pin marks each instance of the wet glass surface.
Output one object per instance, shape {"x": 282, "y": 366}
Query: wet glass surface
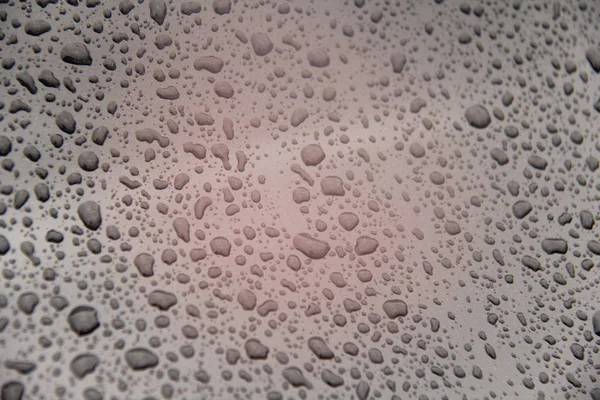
{"x": 299, "y": 200}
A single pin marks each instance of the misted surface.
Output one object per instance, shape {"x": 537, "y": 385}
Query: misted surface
{"x": 299, "y": 200}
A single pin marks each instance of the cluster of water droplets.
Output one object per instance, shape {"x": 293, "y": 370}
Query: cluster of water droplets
{"x": 356, "y": 200}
